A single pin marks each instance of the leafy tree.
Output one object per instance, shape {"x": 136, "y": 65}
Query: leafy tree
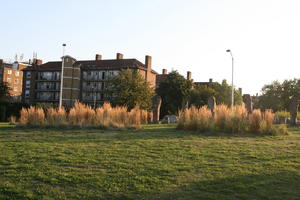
{"x": 4, "y": 91}
{"x": 4, "y": 98}
{"x": 223, "y": 94}
{"x": 199, "y": 95}
{"x": 277, "y": 96}
{"x": 174, "y": 90}
{"x": 129, "y": 89}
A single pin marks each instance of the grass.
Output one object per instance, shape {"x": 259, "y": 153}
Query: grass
{"x": 81, "y": 115}
{"x": 157, "y": 162}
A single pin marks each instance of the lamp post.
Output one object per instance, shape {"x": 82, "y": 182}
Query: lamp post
{"x": 232, "y": 89}
{"x": 62, "y": 76}
{"x": 94, "y": 95}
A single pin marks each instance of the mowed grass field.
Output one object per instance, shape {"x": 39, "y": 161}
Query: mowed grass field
{"x": 157, "y": 162}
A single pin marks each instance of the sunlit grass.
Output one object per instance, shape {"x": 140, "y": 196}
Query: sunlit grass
{"x": 156, "y": 162}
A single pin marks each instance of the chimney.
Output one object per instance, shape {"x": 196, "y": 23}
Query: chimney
{"x": 164, "y": 71}
{"x": 98, "y": 57}
{"x": 119, "y": 56}
{"x": 189, "y": 75}
{"x": 148, "y": 62}
{"x": 210, "y": 80}
{"x": 240, "y": 90}
{"x": 1, "y": 61}
{"x": 37, "y": 61}
{"x": 148, "y": 65}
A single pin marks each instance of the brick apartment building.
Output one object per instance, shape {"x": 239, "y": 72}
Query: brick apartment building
{"x": 83, "y": 80}
{"x": 12, "y": 74}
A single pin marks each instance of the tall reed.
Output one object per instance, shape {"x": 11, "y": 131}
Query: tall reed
{"x": 232, "y": 120}
{"x": 81, "y": 115}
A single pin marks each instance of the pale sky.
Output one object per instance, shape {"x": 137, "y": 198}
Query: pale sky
{"x": 264, "y": 35}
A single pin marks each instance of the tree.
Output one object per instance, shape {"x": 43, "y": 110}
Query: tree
{"x": 174, "y": 91}
{"x": 277, "y": 96}
{"x": 4, "y": 98}
{"x": 223, "y": 94}
{"x": 199, "y": 95}
{"x": 4, "y": 91}
{"x": 130, "y": 89}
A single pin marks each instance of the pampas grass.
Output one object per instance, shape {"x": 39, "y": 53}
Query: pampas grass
{"x": 231, "y": 120}
{"x": 82, "y": 115}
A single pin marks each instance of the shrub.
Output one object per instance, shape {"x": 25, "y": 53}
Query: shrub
{"x": 221, "y": 116}
{"x": 12, "y": 120}
{"x": 232, "y": 120}
{"x": 56, "y": 117}
{"x": 280, "y": 130}
{"x": 195, "y": 119}
{"x": 254, "y": 121}
{"x": 84, "y": 116}
{"x": 237, "y": 121}
{"x": 36, "y": 116}
{"x": 282, "y": 114}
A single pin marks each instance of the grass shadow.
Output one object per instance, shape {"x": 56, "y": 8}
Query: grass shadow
{"x": 283, "y": 185}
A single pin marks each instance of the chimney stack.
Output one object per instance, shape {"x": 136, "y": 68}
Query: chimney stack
{"x": 240, "y": 90}
{"x": 37, "y": 61}
{"x": 164, "y": 71}
{"x": 148, "y": 65}
{"x": 98, "y": 57}
{"x": 189, "y": 75}
{"x": 210, "y": 80}
{"x": 119, "y": 56}
{"x": 1, "y": 61}
{"x": 148, "y": 62}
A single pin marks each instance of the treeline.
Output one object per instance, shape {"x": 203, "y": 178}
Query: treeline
{"x": 278, "y": 96}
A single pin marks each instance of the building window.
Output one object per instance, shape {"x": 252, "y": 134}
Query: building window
{"x": 27, "y": 93}
{"x": 103, "y": 75}
{"x": 27, "y": 84}
{"x": 17, "y": 73}
{"x": 15, "y": 89}
{"x": 9, "y": 80}
{"x": 9, "y": 71}
{"x": 28, "y": 75}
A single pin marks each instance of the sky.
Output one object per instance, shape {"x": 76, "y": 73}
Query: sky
{"x": 182, "y": 35}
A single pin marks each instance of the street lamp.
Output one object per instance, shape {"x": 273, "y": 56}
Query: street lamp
{"x": 232, "y": 89}
{"x": 62, "y": 76}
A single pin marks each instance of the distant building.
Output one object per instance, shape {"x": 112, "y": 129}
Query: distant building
{"x": 12, "y": 74}
{"x": 207, "y": 84}
{"x": 83, "y": 80}
{"x": 164, "y": 75}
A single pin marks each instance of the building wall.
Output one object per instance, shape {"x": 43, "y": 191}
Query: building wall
{"x": 79, "y": 83}
{"x": 14, "y": 79}
{"x": 151, "y": 78}
{"x": 71, "y": 82}
{"x": 93, "y": 84}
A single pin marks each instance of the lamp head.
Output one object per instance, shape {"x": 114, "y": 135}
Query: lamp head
{"x": 64, "y": 45}
{"x": 228, "y": 50}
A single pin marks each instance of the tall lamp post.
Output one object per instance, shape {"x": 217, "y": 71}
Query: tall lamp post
{"x": 62, "y": 76}
{"x": 232, "y": 89}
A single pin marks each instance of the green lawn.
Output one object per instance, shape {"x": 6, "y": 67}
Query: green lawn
{"x": 157, "y": 162}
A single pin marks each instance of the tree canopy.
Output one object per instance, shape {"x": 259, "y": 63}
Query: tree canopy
{"x": 174, "y": 90}
{"x": 221, "y": 91}
{"x": 130, "y": 89}
{"x": 4, "y": 91}
{"x": 277, "y": 96}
